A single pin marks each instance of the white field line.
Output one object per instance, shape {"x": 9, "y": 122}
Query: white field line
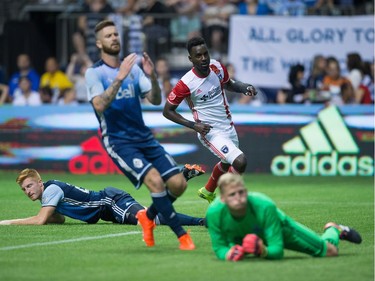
{"x": 68, "y": 240}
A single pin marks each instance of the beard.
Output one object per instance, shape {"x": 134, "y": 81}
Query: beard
{"x": 111, "y": 51}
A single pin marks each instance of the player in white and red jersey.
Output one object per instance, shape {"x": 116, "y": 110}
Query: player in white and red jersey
{"x": 203, "y": 89}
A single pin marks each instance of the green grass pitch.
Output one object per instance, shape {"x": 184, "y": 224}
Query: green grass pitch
{"x": 105, "y": 251}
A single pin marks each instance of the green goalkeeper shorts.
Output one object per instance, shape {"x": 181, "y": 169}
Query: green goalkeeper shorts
{"x": 298, "y": 237}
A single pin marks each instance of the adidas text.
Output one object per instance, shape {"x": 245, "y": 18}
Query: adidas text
{"x": 325, "y": 165}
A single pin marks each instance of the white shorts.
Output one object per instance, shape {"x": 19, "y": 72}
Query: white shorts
{"x": 222, "y": 143}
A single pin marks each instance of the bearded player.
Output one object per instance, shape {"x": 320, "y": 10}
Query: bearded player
{"x": 203, "y": 90}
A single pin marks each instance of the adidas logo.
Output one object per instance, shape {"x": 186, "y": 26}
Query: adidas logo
{"x": 324, "y": 147}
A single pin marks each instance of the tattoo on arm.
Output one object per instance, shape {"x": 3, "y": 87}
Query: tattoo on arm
{"x": 110, "y": 93}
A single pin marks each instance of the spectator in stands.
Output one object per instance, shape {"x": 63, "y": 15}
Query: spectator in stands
{"x": 355, "y": 67}
{"x": 317, "y": 72}
{"x": 46, "y": 94}
{"x": 24, "y": 94}
{"x": 126, "y": 7}
{"x": 287, "y": 7}
{"x": 24, "y": 69}
{"x": 296, "y": 93}
{"x": 54, "y": 78}
{"x": 93, "y": 11}
{"x": 187, "y": 23}
{"x": 166, "y": 82}
{"x": 334, "y": 83}
{"x": 323, "y": 7}
{"x": 68, "y": 97}
{"x": 254, "y": 7}
{"x": 314, "y": 82}
{"x": 155, "y": 25}
{"x": 4, "y": 93}
{"x": 216, "y": 25}
{"x": 368, "y": 79}
{"x": 76, "y": 73}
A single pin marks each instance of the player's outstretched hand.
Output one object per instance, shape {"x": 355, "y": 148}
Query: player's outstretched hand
{"x": 252, "y": 244}
{"x": 126, "y": 66}
{"x": 5, "y": 222}
{"x": 148, "y": 65}
{"x": 251, "y": 91}
{"x": 235, "y": 253}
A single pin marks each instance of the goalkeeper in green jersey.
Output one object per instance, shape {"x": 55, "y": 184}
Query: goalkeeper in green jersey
{"x": 242, "y": 223}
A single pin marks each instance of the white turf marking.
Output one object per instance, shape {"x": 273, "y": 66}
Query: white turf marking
{"x": 68, "y": 241}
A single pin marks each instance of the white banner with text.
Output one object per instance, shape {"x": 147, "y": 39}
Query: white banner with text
{"x": 262, "y": 49}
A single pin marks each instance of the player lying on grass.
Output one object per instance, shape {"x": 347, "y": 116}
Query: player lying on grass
{"x": 61, "y": 199}
{"x": 242, "y": 223}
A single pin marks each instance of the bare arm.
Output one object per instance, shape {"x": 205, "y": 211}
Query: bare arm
{"x": 154, "y": 96}
{"x": 102, "y": 101}
{"x": 45, "y": 215}
{"x": 70, "y": 69}
{"x": 170, "y": 113}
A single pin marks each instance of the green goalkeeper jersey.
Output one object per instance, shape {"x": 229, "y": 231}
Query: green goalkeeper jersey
{"x": 262, "y": 218}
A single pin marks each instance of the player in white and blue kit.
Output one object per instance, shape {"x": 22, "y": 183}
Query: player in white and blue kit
{"x": 115, "y": 88}
{"x": 59, "y": 199}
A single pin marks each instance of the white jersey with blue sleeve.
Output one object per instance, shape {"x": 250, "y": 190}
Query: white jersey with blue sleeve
{"x": 122, "y": 121}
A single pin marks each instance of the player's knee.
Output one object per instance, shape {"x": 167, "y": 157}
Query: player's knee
{"x": 154, "y": 182}
{"x": 177, "y": 184}
{"x": 240, "y": 163}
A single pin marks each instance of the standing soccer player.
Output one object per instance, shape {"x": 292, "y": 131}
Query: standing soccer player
{"x": 203, "y": 89}
{"x": 242, "y": 223}
{"x": 114, "y": 90}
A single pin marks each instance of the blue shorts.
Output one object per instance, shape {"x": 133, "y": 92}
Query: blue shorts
{"x": 136, "y": 159}
{"x": 120, "y": 206}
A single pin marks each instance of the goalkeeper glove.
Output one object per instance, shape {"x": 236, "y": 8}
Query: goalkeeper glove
{"x": 252, "y": 244}
{"x": 235, "y": 253}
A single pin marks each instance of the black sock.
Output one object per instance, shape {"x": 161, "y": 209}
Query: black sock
{"x": 163, "y": 204}
{"x": 152, "y": 212}
{"x": 184, "y": 220}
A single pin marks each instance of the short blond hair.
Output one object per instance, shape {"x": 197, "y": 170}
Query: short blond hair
{"x": 229, "y": 178}
{"x": 27, "y": 173}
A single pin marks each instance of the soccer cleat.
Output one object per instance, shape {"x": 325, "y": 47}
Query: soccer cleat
{"x": 346, "y": 233}
{"x": 192, "y": 171}
{"x": 202, "y": 193}
{"x": 186, "y": 243}
{"x": 147, "y": 228}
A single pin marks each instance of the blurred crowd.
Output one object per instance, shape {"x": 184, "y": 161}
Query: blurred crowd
{"x": 151, "y": 27}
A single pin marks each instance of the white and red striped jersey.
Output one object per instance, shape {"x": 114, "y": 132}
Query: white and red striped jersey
{"x": 205, "y": 96}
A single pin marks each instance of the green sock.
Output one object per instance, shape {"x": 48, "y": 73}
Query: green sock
{"x": 332, "y": 235}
